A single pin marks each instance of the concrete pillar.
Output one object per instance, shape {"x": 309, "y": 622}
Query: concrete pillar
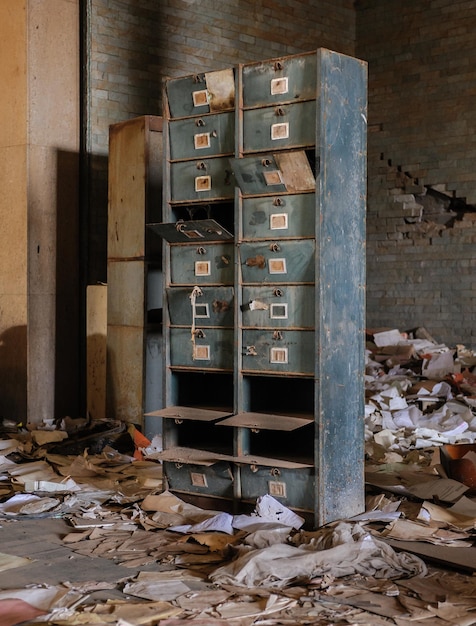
{"x": 39, "y": 153}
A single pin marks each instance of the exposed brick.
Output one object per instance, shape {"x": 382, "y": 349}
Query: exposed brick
{"x": 422, "y": 83}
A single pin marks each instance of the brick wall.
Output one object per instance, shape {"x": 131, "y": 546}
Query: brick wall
{"x": 421, "y": 147}
{"x": 133, "y": 44}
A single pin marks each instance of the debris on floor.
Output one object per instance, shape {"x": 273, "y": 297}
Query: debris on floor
{"x": 210, "y": 568}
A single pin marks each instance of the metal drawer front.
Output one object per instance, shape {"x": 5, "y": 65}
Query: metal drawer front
{"x": 208, "y": 306}
{"x": 280, "y": 80}
{"x": 278, "y": 262}
{"x": 293, "y": 487}
{"x": 202, "y": 264}
{"x": 286, "y": 351}
{"x": 283, "y": 306}
{"x": 281, "y": 126}
{"x": 198, "y": 137}
{"x": 277, "y": 173}
{"x": 216, "y": 480}
{"x": 207, "y": 179}
{"x": 211, "y": 348}
{"x": 201, "y": 93}
{"x": 279, "y": 216}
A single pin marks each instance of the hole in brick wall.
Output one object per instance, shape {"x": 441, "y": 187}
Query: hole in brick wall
{"x": 442, "y": 208}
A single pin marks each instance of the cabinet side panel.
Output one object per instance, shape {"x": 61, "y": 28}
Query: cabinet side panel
{"x": 340, "y": 265}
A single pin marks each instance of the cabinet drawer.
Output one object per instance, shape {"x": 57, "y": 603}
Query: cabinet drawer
{"x": 282, "y": 306}
{"x": 212, "y": 348}
{"x": 198, "y": 137}
{"x": 281, "y": 126}
{"x": 213, "y": 306}
{"x": 279, "y": 216}
{"x": 279, "y": 351}
{"x": 201, "y": 93}
{"x": 209, "y": 179}
{"x": 280, "y": 80}
{"x": 199, "y": 265}
{"x": 277, "y": 173}
{"x": 293, "y": 487}
{"x": 278, "y": 261}
{"x": 215, "y": 480}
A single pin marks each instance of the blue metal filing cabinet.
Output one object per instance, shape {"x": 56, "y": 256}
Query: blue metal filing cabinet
{"x": 264, "y": 196}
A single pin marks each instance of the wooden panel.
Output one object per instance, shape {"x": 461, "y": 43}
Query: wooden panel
{"x": 131, "y": 175}
{"x": 96, "y": 350}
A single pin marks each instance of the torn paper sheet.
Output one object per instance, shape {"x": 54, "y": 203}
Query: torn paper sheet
{"x": 165, "y": 586}
{"x": 268, "y": 509}
{"x": 443, "y": 489}
{"x": 449, "y": 516}
{"x": 44, "y": 598}
{"x": 223, "y": 522}
{"x": 407, "y": 530}
{"x": 27, "y": 504}
{"x": 136, "y": 613}
{"x": 8, "y": 561}
{"x": 169, "y": 510}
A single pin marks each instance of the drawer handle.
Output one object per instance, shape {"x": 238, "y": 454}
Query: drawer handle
{"x": 179, "y": 465}
{"x": 278, "y": 66}
{"x": 197, "y": 78}
{"x": 254, "y": 468}
{"x": 251, "y": 351}
{"x": 201, "y": 250}
{"x": 201, "y": 165}
{"x": 274, "y": 247}
{"x": 275, "y": 471}
{"x": 277, "y": 335}
{"x": 279, "y": 112}
{"x": 178, "y": 421}
{"x": 199, "y": 122}
{"x": 266, "y": 162}
{"x": 199, "y": 333}
{"x": 278, "y": 202}
{"x": 278, "y": 293}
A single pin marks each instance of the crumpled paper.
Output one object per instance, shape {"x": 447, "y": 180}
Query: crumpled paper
{"x": 342, "y": 550}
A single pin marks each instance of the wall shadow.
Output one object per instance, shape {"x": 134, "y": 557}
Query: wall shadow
{"x": 69, "y": 298}
{"x": 13, "y": 374}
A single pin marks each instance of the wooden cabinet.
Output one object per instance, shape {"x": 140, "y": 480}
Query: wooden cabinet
{"x": 134, "y": 268}
{"x": 265, "y": 284}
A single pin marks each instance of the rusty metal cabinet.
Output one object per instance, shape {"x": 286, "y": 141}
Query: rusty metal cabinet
{"x": 264, "y": 219}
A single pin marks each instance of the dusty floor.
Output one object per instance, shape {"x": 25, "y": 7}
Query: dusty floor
{"x": 97, "y": 541}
